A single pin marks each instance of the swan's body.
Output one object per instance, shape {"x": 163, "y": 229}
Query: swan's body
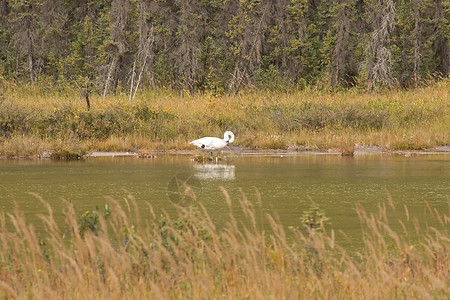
{"x": 213, "y": 143}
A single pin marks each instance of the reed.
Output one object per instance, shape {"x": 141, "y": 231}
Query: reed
{"x": 397, "y": 120}
{"x": 185, "y": 256}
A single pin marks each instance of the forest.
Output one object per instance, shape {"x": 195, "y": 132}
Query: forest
{"x": 223, "y": 47}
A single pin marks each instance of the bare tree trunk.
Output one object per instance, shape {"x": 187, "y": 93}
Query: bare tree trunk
{"x": 109, "y": 78}
{"x": 145, "y": 50}
{"x": 234, "y": 79}
{"x": 416, "y": 57}
{"x": 140, "y": 77}
{"x": 149, "y": 57}
{"x": 119, "y": 24}
{"x": 133, "y": 74}
{"x": 30, "y": 50}
{"x": 31, "y": 64}
{"x": 341, "y": 54}
{"x": 85, "y": 93}
{"x": 146, "y": 42}
{"x": 416, "y": 65}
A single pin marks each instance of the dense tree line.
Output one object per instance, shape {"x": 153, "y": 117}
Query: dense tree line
{"x": 223, "y": 46}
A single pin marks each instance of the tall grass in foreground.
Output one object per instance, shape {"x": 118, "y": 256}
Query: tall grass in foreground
{"x": 186, "y": 257}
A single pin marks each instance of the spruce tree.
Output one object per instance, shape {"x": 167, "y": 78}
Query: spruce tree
{"x": 382, "y": 17}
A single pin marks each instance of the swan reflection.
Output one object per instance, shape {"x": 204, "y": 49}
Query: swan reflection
{"x": 214, "y": 172}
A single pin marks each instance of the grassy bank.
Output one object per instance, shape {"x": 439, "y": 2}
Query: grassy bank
{"x": 33, "y": 120}
{"x": 115, "y": 255}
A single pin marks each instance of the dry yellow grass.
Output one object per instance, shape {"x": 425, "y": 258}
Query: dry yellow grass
{"x": 186, "y": 257}
{"x": 413, "y": 119}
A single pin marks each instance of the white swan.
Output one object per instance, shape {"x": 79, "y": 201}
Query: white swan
{"x": 213, "y": 143}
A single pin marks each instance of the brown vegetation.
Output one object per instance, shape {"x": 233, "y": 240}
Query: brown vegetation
{"x": 34, "y": 120}
{"x": 118, "y": 255}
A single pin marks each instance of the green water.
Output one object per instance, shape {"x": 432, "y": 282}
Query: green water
{"x": 285, "y": 184}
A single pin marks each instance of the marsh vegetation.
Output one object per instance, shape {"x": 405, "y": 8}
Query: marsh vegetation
{"x": 114, "y": 253}
{"x": 33, "y": 121}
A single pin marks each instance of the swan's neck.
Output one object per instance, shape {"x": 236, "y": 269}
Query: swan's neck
{"x": 228, "y": 137}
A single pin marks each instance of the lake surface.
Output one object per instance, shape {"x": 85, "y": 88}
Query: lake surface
{"x": 286, "y": 185}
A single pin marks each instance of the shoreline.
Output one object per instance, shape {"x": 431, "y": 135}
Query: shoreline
{"x": 244, "y": 152}
{"x": 403, "y": 122}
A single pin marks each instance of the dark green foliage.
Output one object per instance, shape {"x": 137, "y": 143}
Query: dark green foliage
{"x": 89, "y": 220}
{"x": 223, "y": 46}
{"x": 314, "y": 219}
